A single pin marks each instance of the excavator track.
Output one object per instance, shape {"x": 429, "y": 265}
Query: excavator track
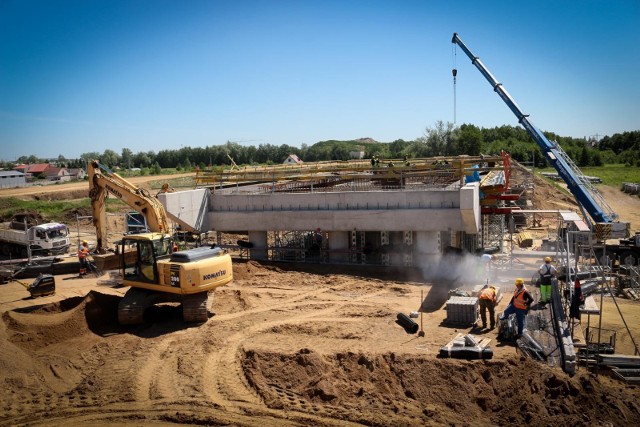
{"x": 132, "y": 306}
{"x": 195, "y": 307}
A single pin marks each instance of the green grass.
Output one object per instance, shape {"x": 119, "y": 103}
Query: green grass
{"x": 51, "y": 210}
{"x": 613, "y": 175}
{"x": 183, "y": 183}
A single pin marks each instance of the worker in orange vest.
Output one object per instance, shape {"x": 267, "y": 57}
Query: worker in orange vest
{"x": 487, "y": 302}
{"x": 519, "y": 305}
{"x": 83, "y": 252}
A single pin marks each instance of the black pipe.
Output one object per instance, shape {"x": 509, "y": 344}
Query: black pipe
{"x": 408, "y": 324}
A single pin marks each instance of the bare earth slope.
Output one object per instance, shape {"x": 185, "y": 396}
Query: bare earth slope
{"x": 283, "y": 348}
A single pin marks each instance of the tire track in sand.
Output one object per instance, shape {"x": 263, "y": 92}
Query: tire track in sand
{"x": 155, "y": 379}
{"x": 224, "y": 379}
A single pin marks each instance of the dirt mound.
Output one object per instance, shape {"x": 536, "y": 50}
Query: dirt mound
{"x": 62, "y": 195}
{"x": 246, "y": 270}
{"x": 55, "y": 323}
{"x": 31, "y": 217}
{"x": 70, "y": 216}
{"x": 395, "y": 389}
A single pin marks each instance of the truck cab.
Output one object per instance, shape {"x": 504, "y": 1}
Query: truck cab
{"x": 50, "y": 238}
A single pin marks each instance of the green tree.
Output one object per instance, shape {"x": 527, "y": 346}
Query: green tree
{"x": 156, "y": 169}
{"x": 584, "y": 157}
{"x": 397, "y": 147}
{"x": 126, "y": 158}
{"x": 439, "y": 140}
{"x": 596, "y": 159}
{"x": 469, "y": 140}
{"x": 87, "y": 157}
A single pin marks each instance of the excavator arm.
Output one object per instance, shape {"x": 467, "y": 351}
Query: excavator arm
{"x": 103, "y": 181}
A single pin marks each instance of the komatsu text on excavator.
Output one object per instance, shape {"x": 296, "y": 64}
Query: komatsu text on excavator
{"x": 154, "y": 272}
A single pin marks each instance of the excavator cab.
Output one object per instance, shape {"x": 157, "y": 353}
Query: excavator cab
{"x": 149, "y": 248}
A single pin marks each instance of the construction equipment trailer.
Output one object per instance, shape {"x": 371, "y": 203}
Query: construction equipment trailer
{"x": 151, "y": 268}
{"x": 598, "y": 214}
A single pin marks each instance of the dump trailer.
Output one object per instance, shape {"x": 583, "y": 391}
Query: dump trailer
{"x": 43, "y": 239}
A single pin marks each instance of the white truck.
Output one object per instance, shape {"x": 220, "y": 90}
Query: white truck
{"x": 44, "y": 239}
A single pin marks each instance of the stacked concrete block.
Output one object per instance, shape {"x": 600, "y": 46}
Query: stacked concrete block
{"x": 462, "y": 310}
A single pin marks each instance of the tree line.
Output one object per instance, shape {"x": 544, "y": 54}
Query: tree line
{"x": 441, "y": 139}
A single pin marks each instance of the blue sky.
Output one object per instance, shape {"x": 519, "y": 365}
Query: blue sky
{"x": 85, "y": 76}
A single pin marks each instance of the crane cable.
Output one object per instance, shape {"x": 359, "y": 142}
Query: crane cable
{"x": 454, "y": 71}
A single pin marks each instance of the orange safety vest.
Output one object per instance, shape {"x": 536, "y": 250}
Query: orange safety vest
{"x": 488, "y": 293}
{"x": 518, "y": 299}
{"x": 82, "y": 252}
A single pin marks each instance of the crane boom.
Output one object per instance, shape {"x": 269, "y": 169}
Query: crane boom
{"x": 587, "y": 196}
{"x": 103, "y": 181}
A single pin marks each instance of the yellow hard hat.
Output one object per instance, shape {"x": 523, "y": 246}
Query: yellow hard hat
{"x": 84, "y": 242}
{"x": 547, "y": 259}
{"x": 519, "y": 281}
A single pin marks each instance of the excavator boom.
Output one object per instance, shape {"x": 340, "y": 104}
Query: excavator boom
{"x": 103, "y": 181}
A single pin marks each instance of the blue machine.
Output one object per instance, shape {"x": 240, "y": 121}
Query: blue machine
{"x": 587, "y": 196}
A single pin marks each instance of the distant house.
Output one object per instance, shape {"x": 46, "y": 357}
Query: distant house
{"x": 36, "y": 170}
{"x": 12, "y": 179}
{"x": 21, "y": 168}
{"x": 77, "y": 174}
{"x": 356, "y": 154}
{"x": 57, "y": 174}
{"x": 292, "y": 160}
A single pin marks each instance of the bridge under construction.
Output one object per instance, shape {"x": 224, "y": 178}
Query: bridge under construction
{"x": 401, "y": 212}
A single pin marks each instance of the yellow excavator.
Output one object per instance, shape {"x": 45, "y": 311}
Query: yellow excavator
{"x": 155, "y": 272}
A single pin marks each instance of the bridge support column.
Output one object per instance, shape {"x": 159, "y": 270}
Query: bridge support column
{"x": 338, "y": 246}
{"x": 427, "y": 250}
{"x": 259, "y": 240}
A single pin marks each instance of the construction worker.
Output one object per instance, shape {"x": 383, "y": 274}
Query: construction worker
{"x": 519, "y": 305}
{"x": 487, "y": 301}
{"x": 547, "y": 273}
{"x": 83, "y": 252}
{"x": 576, "y": 301}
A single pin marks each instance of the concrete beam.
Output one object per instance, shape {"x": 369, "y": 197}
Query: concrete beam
{"x": 372, "y": 211}
{"x": 188, "y": 208}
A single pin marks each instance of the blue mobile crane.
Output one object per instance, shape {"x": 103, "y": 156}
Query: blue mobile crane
{"x": 605, "y": 221}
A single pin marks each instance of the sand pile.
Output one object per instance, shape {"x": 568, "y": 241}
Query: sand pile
{"x": 282, "y": 348}
{"x": 394, "y": 389}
